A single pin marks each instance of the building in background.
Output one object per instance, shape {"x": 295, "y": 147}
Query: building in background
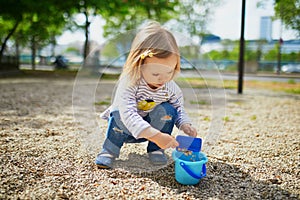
{"x": 266, "y": 28}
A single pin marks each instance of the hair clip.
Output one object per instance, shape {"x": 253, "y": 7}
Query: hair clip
{"x": 146, "y": 53}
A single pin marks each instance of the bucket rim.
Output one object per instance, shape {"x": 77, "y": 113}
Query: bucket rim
{"x": 202, "y": 161}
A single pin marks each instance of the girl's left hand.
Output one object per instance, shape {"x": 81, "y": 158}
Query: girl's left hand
{"x": 189, "y": 130}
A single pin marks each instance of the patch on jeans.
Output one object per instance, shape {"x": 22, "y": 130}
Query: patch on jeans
{"x": 166, "y": 118}
{"x": 117, "y": 130}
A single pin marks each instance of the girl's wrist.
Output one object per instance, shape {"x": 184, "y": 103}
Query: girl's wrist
{"x": 155, "y": 138}
{"x": 183, "y": 126}
{"x": 149, "y": 132}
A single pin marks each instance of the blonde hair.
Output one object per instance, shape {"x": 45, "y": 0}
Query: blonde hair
{"x": 152, "y": 38}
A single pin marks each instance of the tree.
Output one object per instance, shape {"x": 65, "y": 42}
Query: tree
{"x": 36, "y": 20}
{"x": 193, "y": 16}
{"x": 119, "y": 15}
{"x": 133, "y": 13}
{"x": 89, "y": 9}
{"x": 288, "y": 11}
{"x": 38, "y": 29}
{"x": 32, "y": 21}
{"x": 10, "y": 18}
{"x": 191, "y": 20}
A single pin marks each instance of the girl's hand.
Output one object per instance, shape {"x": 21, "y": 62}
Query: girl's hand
{"x": 189, "y": 130}
{"x": 164, "y": 140}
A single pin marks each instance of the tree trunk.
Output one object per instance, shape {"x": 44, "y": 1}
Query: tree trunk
{"x": 18, "y": 53}
{"x": 33, "y": 52}
{"x": 86, "y": 43}
{"x": 7, "y": 38}
{"x": 53, "y": 45}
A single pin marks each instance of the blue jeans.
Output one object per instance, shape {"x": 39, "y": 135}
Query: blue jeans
{"x": 162, "y": 117}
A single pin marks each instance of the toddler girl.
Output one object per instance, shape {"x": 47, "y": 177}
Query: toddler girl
{"x": 147, "y": 102}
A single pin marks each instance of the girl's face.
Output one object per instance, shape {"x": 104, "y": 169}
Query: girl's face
{"x": 157, "y": 71}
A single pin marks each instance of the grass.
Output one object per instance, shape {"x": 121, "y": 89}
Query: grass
{"x": 201, "y": 102}
{"x": 105, "y": 102}
{"x": 291, "y": 81}
{"x": 101, "y": 103}
{"x": 253, "y": 117}
{"x": 205, "y": 83}
{"x": 207, "y": 119}
{"x": 226, "y": 119}
{"x": 291, "y": 86}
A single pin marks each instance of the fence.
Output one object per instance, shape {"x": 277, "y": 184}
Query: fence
{"x": 9, "y": 63}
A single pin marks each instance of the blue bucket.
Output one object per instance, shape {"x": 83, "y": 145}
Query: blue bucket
{"x": 189, "y": 168}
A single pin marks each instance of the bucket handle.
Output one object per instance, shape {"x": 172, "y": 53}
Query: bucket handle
{"x": 192, "y": 174}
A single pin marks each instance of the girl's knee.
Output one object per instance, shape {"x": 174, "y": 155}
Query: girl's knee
{"x": 163, "y": 117}
{"x": 165, "y": 111}
{"x": 169, "y": 109}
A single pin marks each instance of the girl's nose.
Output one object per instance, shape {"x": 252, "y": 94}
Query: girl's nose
{"x": 161, "y": 79}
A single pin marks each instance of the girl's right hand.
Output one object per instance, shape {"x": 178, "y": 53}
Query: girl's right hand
{"x": 164, "y": 140}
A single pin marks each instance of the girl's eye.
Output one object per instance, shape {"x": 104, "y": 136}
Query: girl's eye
{"x": 155, "y": 74}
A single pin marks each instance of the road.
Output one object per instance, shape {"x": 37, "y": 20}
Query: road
{"x": 204, "y": 74}
{"x": 234, "y": 76}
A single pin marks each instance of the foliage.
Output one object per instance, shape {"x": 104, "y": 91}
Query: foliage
{"x": 289, "y": 11}
{"x": 89, "y": 9}
{"x": 190, "y": 52}
{"x": 193, "y": 16}
{"x": 30, "y": 22}
{"x": 286, "y": 10}
{"x": 119, "y": 45}
{"x": 73, "y": 50}
{"x": 293, "y": 56}
{"x": 133, "y": 13}
{"x": 37, "y": 23}
{"x": 233, "y": 54}
{"x": 273, "y": 53}
{"x": 10, "y": 18}
{"x": 129, "y": 14}
{"x": 252, "y": 55}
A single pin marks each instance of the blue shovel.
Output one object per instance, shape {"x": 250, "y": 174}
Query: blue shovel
{"x": 187, "y": 143}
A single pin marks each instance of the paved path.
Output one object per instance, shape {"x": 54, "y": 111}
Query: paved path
{"x": 204, "y": 74}
{"x": 234, "y": 76}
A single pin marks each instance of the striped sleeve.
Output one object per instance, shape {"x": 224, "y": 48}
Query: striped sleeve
{"x": 177, "y": 100}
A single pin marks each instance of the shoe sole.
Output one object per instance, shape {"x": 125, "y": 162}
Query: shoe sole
{"x": 103, "y": 166}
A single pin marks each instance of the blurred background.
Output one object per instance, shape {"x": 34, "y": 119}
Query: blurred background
{"x": 66, "y": 35}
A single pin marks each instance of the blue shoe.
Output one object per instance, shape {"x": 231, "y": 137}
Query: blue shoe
{"x": 104, "y": 160}
{"x": 158, "y": 157}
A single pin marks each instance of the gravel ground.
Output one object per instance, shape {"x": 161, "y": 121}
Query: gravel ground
{"x": 50, "y": 134}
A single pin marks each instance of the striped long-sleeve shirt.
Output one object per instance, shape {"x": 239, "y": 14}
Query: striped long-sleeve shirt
{"x": 135, "y": 102}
